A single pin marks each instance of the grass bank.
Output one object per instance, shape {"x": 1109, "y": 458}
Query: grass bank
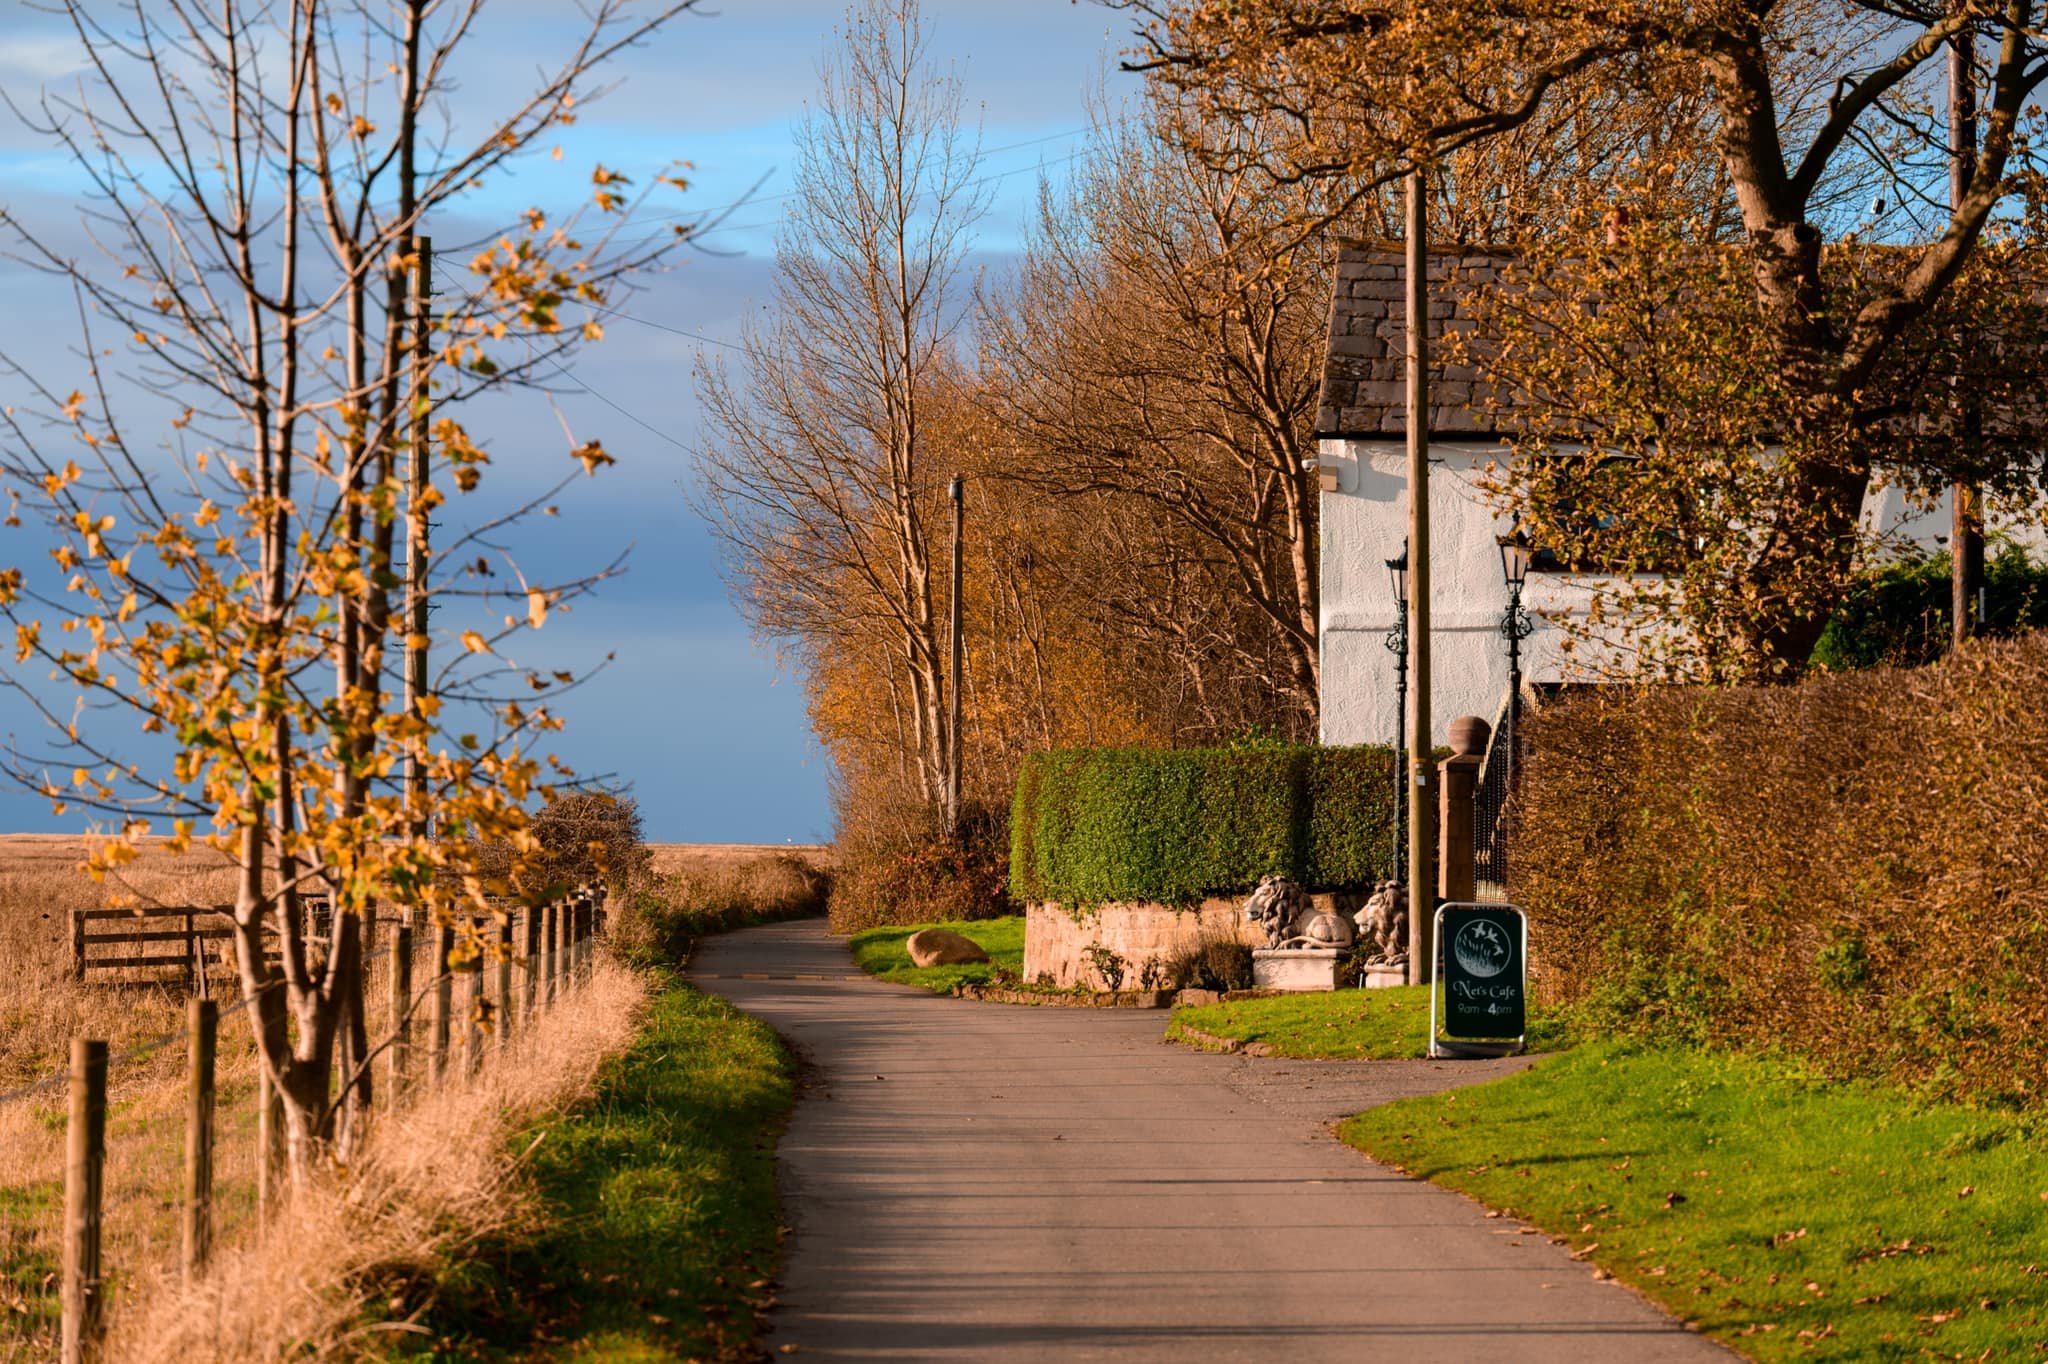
{"x": 880, "y": 952}
{"x": 1785, "y": 1214}
{"x": 1338, "y": 1025}
{"x": 656, "y": 1233}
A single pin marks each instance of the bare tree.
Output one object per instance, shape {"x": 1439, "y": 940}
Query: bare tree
{"x": 261, "y": 173}
{"x": 821, "y": 474}
{"x": 1158, "y": 347}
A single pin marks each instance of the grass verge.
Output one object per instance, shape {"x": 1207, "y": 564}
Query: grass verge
{"x": 1785, "y": 1214}
{"x": 880, "y": 952}
{"x": 658, "y": 1232}
{"x": 1346, "y": 1025}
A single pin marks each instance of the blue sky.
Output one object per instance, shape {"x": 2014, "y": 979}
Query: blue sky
{"x": 693, "y": 711}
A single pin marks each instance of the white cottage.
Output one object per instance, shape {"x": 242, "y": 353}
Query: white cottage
{"x": 1361, "y": 428}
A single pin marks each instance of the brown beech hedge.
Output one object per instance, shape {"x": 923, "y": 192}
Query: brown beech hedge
{"x": 1855, "y": 868}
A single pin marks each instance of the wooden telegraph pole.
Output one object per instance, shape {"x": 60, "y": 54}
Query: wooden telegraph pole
{"x": 1966, "y": 530}
{"x": 957, "y": 490}
{"x": 1421, "y": 817}
{"x": 416, "y": 548}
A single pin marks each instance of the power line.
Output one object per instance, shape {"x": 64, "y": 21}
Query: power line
{"x": 664, "y": 327}
{"x": 616, "y": 407}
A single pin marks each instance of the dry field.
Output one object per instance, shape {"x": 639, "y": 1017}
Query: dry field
{"x": 711, "y": 858}
{"x": 42, "y": 1008}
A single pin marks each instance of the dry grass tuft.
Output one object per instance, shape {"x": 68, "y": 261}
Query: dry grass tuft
{"x": 354, "y": 1257}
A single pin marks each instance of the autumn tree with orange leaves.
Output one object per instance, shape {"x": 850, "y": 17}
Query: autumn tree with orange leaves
{"x": 1800, "y": 104}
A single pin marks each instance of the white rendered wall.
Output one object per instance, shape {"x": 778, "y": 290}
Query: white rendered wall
{"x": 1363, "y": 524}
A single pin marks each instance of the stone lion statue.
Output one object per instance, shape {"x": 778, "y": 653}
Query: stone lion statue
{"x": 1383, "y": 925}
{"x": 1275, "y": 906}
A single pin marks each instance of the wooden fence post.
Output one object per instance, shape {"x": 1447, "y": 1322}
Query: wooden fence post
{"x": 504, "y": 1012}
{"x": 401, "y": 1014}
{"x": 202, "y": 1023}
{"x": 554, "y": 942}
{"x": 444, "y": 1000}
{"x": 78, "y": 944}
{"x": 473, "y": 1031}
{"x": 533, "y": 957}
{"x": 572, "y": 940}
{"x": 84, "y": 1170}
{"x": 588, "y": 956}
{"x": 579, "y": 914}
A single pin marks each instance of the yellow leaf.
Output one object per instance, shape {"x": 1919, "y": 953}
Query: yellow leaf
{"x": 475, "y": 642}
{"x": 536, "y": 607}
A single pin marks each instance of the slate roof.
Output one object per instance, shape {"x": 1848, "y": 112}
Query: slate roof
{"x": 1365, "y": 391}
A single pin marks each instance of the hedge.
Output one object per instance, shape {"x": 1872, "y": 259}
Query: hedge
{"x": 1174, "y": 826}
{"x": 1899, "y": 613}
{"x": 1854, "y": 868}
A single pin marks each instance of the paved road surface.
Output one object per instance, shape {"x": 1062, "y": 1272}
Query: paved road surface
{"x": 992, "y": 1182}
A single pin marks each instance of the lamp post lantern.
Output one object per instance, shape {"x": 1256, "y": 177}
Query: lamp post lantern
{"x": 1397, "y": 644}
{"x": 1516, "y": 551}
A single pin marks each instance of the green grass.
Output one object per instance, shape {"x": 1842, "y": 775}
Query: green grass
{"x": 661, "y": 1211}
{"x": 1787, "y": 1215}
{"x": 1351, "y": 1025}
{"x": 880, "y": 952}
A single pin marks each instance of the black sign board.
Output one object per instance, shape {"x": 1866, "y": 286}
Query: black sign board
{"x": 1485, "y": 979}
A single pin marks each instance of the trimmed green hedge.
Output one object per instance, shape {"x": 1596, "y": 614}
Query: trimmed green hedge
{"x": 1177, "y": 825}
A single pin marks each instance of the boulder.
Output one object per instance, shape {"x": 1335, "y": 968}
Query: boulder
{"x": 943, "y": 947}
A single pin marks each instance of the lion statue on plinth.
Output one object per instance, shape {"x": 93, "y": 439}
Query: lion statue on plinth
{"x": 1383, "y": 925}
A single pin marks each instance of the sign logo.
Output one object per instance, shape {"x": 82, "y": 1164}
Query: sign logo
{"x": 1482, "y": 949}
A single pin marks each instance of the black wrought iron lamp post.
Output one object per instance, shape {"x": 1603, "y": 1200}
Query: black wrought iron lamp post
{"x": 1397, "y": 644}
{"x": 1515, "y": 625}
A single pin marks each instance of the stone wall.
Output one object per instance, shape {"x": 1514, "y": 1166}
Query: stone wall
{"x": 1056, "y": 941}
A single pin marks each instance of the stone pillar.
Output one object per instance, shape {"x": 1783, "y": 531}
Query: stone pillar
{"x": 1459, "y": 780}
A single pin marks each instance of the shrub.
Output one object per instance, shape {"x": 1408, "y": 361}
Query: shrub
{"x": 1853, "y": 867}
{"x": 1090, "y": 826}
{"x": 586, "y": 838}
{"x": 1901, "y": 613}
{"x": 1215, "y": 963}
{"x": 896, "y": 866}
{"x": 591, "y": 837}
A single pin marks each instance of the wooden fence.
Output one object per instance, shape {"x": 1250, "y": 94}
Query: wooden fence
{"x": 174, "y": 939}
{"x": 548, "y": 950}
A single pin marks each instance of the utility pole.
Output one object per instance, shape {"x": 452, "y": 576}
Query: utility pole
{"x": 1966, "y": 530}
{"x": 417, "y": 824}
{"x": 1421, "y": 794}
{"x": 958, "y": 491}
